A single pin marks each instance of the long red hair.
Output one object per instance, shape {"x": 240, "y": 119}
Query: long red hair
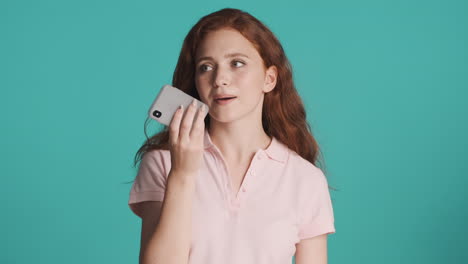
{"x": 283, "y": 113}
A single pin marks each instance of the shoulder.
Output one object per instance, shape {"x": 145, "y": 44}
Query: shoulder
{"x": 303, "y": 166}
{"x": 156, "y": 155}
{"x": 305, "y": 171}
{"x": 156, "y": 160}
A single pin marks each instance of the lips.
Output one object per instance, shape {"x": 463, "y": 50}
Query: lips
{"x": 221, "y": 97}
{"x": 224, "y": 98}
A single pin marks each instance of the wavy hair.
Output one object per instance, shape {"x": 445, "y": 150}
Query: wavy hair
{"x": 283, "y": 113}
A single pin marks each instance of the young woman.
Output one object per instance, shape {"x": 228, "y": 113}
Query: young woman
{"x": 237, "y": 184}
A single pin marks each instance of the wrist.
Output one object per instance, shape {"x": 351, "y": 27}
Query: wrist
{"x": 183, "y": 178}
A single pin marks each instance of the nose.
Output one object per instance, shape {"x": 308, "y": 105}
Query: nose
{"x": 221, "y": 77}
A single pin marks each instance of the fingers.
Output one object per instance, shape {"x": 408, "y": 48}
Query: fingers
{"x": 184, "y": 127}
{"x": 186, "y": 124}
{"x": 174, "y": 125}
{"x": 199, "y": 123}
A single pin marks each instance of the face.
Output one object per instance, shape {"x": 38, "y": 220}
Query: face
{"x": 227, "y": 64}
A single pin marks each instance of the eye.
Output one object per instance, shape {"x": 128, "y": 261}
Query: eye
{"x": 238, "y": 63}
{"x": 205, "y": 67}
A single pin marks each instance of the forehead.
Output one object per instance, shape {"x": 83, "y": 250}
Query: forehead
{"x": 225, "y": 41}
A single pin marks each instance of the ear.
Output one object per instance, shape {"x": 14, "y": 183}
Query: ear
{"x": 271, "y": 75}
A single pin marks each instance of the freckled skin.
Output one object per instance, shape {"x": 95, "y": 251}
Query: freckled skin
{"x": 238, "y": 75}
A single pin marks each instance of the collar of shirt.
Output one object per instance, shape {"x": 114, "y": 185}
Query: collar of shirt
{"x": 276, "y": 150}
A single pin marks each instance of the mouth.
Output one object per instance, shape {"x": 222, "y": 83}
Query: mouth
{"x": 225, "y": 100}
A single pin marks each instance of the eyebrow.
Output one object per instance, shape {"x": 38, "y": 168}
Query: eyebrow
{"x": 229, "y": 55}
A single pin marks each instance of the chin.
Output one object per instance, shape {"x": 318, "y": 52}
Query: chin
{"x": 229, "y": 117}
{"x": 223, "y": 119}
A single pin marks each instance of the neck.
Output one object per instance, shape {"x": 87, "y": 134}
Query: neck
{"x": 237, "y": 141}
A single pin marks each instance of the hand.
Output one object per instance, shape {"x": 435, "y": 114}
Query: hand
{"x": 186, "y": 139}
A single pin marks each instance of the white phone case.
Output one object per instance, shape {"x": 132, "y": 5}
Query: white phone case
{"x": 167, "y": 102}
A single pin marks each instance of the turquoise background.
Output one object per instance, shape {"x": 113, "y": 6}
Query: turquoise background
{"x": 385, "y": 84}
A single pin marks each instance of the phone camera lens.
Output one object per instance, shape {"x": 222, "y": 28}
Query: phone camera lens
{"x": 157, "y": 114}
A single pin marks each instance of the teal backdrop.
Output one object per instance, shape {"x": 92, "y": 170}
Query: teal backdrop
{"x": 384, "y": 82}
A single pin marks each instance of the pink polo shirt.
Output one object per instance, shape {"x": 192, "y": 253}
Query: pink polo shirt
{"x": 283, "y": 199}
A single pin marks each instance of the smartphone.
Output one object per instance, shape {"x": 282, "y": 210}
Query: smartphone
{"x": 167, "y": 101}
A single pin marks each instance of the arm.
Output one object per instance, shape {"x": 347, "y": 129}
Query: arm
{"x": 312, "y": 250}
{"x": 170, "y": 241}
{"x": 166, "y": 235}
{"x": 150, "y": 214}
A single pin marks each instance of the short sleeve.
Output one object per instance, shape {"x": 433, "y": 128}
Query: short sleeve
{"x": 150, "y": 181}
{"x": 315, "y": 208}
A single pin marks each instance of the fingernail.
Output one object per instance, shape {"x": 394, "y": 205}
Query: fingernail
{"x": 181, "y": 107}
{"x": 202, "y": 108}
{"x": 194, "y": 102}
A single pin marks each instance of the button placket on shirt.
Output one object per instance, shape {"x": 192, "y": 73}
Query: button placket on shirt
{"x": 235, "y": 202}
